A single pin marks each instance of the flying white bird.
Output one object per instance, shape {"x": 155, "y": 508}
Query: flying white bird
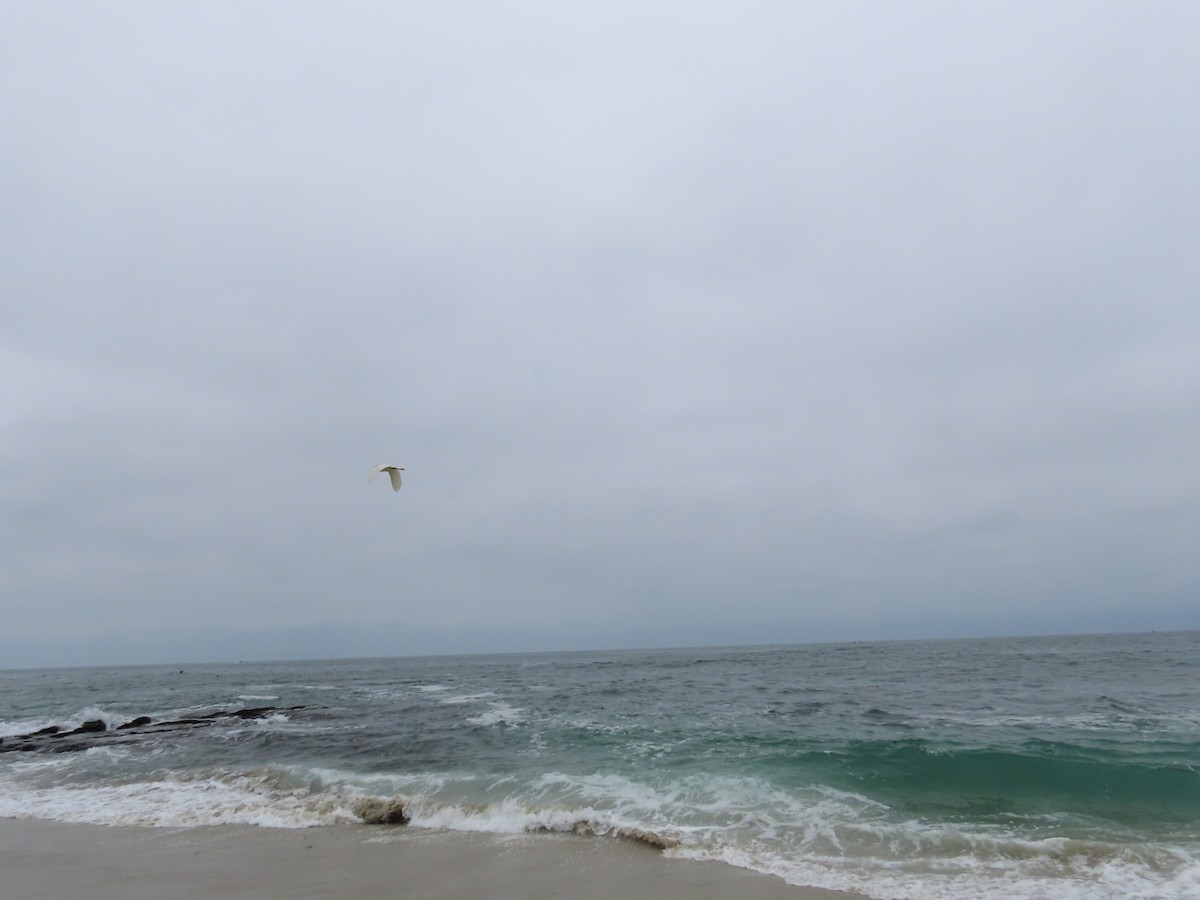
{"x": 393, "y": 473}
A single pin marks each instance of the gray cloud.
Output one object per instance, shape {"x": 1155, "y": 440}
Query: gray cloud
{"x": 691, "y": 325}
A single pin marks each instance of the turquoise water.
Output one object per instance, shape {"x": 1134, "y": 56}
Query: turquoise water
{"x": 1031, "y": 767}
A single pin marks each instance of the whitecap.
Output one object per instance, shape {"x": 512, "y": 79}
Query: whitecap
{"x": 460, "y": 699}
{"x": 499, "y": 714}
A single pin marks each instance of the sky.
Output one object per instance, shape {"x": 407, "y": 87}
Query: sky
{"x": 691, "y": 323}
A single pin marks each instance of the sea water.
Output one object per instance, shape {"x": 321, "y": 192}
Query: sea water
{"x": 1057, "y": 767}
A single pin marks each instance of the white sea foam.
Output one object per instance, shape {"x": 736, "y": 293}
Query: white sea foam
{"x": 1037, "y": 878}
{"x": 460, "y": 699}
{"x": 180, "y": 799}
{"x": 13, "y": 727}
{"x": 821, "y": 837}
{"x": 379, "y": 784}
{"x": 843, "y": 841}
{"x": 274, "y": 720}
{"x": 499, "y": 714}
{"x": 910, "y": 861}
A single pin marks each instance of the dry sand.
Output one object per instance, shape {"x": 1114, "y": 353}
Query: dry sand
{"x": 54, "y": 861}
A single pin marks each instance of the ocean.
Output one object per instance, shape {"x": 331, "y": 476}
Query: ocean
{"x": 1056, "y": 767}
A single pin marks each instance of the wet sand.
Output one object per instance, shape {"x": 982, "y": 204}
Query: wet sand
{"x": 55, "y": 861}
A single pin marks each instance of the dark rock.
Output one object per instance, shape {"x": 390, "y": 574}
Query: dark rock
{"x": 374, "y": 811}
{"x": 95, "y": 732}
{"x": 258, "y": 712}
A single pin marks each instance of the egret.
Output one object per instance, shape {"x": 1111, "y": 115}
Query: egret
{"x": 393, "y": 473}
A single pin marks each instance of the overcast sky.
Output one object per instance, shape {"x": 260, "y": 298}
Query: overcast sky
{"x": 692, "y": 323}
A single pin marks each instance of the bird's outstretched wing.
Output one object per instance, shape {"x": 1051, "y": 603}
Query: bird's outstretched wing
{"x": 393, "y": 473}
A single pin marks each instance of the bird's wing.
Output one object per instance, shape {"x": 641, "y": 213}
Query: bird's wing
{"x": 375, "y": 471}
{"x": 395, "y": 478}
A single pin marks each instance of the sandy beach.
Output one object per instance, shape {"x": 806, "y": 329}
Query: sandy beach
{"x": 56, "y": 861}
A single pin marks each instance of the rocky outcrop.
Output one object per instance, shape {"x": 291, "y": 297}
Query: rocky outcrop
{"x": 95, "y": 732}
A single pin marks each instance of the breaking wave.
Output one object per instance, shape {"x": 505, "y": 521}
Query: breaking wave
{"x": 805, "y": 838}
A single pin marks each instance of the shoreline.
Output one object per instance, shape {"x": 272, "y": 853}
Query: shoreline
{"x": 63, "y": 861}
